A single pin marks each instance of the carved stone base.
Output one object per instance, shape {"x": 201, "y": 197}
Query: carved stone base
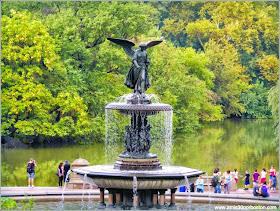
{"x": 137, "y": 98}
{"x": 137, "y": 164}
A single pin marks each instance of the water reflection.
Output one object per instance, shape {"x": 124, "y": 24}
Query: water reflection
{"x": 241, "y": 144}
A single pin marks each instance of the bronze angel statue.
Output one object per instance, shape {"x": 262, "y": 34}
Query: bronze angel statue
{"x": 137, "y": 77}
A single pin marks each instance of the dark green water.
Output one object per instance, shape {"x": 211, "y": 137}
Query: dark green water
{"x": 241, "y": 144}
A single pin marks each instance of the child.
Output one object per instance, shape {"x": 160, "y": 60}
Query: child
{"x": 236, "y": 175}
{"x": 247, "y": 180}
{"x": 199, "y": 184}
{"x": 274, "y": 183}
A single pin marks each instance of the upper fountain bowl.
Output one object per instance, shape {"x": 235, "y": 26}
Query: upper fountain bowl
{"x": 149, "y": 109}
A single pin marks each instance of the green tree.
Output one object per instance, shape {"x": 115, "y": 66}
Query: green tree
{"x": 176, "y": 17}
{"x": 246, "y": 33}
{"x": 273, "y": 102}
{"x": 182, "y": 79}
{"x": 34, "y": 99}
{"x": 230, "y": 79}
{"x": 255, "y": 101}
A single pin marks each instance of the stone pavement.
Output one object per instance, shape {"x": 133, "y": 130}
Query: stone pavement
{"x": 239, "y": 197}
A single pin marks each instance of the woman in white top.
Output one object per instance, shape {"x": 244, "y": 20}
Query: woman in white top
{"x": 263, "y": 175}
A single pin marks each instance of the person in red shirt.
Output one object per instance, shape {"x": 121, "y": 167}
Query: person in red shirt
{"x": 272, "y": 172}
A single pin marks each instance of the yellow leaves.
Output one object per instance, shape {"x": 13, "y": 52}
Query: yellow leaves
{"x": 269, "y": 66}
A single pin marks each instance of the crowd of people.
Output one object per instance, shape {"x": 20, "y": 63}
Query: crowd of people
{"x": 260, "y": 186}
{"x": 62, "y": 171}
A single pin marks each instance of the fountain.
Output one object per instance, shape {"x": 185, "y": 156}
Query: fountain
{"x": 137, "y": 180}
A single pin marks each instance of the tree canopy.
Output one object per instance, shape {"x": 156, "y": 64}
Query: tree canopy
{"x": 219, "y": 59}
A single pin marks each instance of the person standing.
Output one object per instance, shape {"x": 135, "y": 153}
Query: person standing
{"x": 263, "y": 175}
{"x": 247, "y": 180}
{"x": 272, "y": 172}
{"x": 66, "y": 168}
{"x": 236, "y": 176}
{"x": 31, "y": 172}
{"x": 227, "y": 184}
{"x": 255, "y": 176}
{"x": 60, "y": 174}
{"x": 218, "y": 172}
{"x": 217, "y": 178}
{"x": 274, "y": 183}
{"x": 199, "y": 184}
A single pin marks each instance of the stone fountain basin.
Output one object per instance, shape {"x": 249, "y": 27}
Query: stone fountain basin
{"x": 148, "y": 109}
{"x": 105, "y": 176}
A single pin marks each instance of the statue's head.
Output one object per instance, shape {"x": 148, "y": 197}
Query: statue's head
{"x": 142, "y": 45}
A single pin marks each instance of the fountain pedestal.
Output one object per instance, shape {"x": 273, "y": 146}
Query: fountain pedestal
{"x": 137, "y": 164}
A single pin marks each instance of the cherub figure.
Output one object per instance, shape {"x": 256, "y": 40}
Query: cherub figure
{"x": 137, "y": 77}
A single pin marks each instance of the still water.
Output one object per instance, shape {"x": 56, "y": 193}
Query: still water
{"x": 233, "y": 143}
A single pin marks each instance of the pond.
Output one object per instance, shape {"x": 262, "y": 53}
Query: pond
{"x": 233, "y": 143}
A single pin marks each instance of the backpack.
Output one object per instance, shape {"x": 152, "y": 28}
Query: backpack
{"x": 214, "y": 181}
{"x": 29, "y": 168}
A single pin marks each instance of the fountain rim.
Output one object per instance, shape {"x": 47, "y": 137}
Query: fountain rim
{"x": 139, "y": 107}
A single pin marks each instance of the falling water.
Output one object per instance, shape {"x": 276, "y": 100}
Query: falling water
{"x": 161, "y": 135}
{"x": 89, "y": 204}
{"x": 208, "y": 190}
{"x": 134, "y": 187}
{"x": 187, "y": 184}
{"x": 61, "y": 204}
{"x": 82, "y": 202}
{"x": 115, "y": 123}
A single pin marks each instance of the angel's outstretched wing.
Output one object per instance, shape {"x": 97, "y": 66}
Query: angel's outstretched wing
{"x": 154, "y": 42}
{"x": 126, "y": 44}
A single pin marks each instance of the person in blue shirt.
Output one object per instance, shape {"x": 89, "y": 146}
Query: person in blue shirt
{"x": 199, "y": 184}
{"x": 227, "y": 183}
{"x": 263, "y": 190}
{"x": 247, "y": 180}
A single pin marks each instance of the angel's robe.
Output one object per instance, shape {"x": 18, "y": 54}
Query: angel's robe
{"x": 138, "y": 78}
